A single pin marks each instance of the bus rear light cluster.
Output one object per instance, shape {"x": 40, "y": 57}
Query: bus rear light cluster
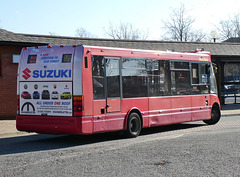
{"x": 18, "y": 104}
{"x": 77, "y": 106}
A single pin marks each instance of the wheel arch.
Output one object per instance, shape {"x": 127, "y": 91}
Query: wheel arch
{"x": 215, "y": 115}
{"x": 135, "y": 110}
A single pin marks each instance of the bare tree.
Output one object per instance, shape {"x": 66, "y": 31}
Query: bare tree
{"x": 82, "y": 32}
{"x": 197, "y": 36}
{"x": 53, "y": 34}
{"x": 230, "y": 28}
{"x": 179, "y": 27}
{"x": 125, "y": 31}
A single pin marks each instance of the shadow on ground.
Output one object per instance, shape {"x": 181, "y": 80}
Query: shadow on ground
{"x": 41, "y": 142}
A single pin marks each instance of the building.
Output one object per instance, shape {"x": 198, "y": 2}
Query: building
{"x": 12, "y": 43}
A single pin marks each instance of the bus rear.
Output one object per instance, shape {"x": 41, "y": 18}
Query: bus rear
{"x": 48, "y": 99}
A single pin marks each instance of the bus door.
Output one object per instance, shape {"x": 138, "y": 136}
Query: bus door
{"x": 201, "y": 87}
{"x": 106, "y": 93}
{"x": 113, "y": 117}
{"x": 181, "y": 91}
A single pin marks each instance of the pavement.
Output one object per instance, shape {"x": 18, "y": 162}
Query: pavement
{"x": 8, "y": 126}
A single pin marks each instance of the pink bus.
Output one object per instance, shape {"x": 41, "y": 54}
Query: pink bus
{"x": 87, "y": 89}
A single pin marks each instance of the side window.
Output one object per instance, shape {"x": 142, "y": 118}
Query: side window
{"x": 200, "y": 78}
{"x": 158, "y": 78}
{"x": 98, "y": 77}
{"x": 195, "y": 73}
{"x": 113, "y": 78}
{"x": 180, "y": 77}
{"x": 134, "y": 77}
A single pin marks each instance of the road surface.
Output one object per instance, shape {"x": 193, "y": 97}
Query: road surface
{"x": 190, "y": 149}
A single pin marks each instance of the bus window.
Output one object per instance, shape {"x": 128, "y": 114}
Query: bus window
{"x": 113, "y": 78}
{"x": 195, "y": 73}
{"x": 181, "y": 83}
{"x": 66, "y": 58}
{"x": 98, "y": 77}
{"x": 212, "y": 80}
{"x": 200, "y": 78}
{"x": 158, "y": 78}
{"x": 134, "y": 78}
{"x": 180, "y": 78}
{"x": 32, "y": 59}
{"x": 179, "y": 65}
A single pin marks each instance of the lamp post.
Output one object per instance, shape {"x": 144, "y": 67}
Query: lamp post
{"x": 214, "y": 35}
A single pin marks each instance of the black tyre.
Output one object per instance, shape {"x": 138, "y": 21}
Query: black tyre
{"x": 134, "y": 125}
{"x": 215, "y": 116}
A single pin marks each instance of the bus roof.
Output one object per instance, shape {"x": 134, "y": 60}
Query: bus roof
{"x": 197, "y": 55}
{"x": 151, "y": 54}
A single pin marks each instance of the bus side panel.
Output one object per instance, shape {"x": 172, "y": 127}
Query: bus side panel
{"x": 141, "y": 104}
{"x": 99, "y": 110}
{"x": 114, "y": 121}
{"x": 160, "y": 111}
{"x": 214, "y": 99}
{"x": 181, "y": 109}
{"x": 87, "y": 85}
{"x": 200, "y": 108}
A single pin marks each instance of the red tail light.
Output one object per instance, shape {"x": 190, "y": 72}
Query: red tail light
{"x": 77, "y": 106}
{"x": 18, "y": 105}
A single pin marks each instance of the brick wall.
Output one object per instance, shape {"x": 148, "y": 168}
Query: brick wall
{"x": 8, "y": 81}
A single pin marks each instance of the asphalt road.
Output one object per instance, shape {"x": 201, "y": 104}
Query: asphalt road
{"x": 191, "y": 149}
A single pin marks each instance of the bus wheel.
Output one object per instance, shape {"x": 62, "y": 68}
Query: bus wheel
{"x": 215, "y": 116}
{"x": 134, "y": 125}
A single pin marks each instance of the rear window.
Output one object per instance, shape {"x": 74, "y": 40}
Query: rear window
{"x": 66, "y": 58}
{"x": 32, "y": 59}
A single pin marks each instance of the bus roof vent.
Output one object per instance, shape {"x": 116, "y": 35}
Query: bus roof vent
{"x": 199, "y": 50}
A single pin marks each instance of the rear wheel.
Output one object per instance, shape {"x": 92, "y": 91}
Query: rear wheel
{"x": 134, "y": 125}
{"x": 215, "y": 116}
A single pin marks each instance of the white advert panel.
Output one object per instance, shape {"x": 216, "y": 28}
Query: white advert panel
{"x": 46, "y": 98}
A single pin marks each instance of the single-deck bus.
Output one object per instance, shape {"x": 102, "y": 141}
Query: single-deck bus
{"x": 88, "y": 89}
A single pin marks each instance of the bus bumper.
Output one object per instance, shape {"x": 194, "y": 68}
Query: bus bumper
{"x": 55, "y": 125}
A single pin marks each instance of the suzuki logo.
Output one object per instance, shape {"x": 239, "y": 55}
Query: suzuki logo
{"x": 26, "y": 74}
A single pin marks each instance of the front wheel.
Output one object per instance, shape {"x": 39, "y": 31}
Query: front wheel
{"x": 215, "y": 116}
{"x": 134, "y": 125}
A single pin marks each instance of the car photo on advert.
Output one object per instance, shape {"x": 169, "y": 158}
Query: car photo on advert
{"x": 46, "y": 98}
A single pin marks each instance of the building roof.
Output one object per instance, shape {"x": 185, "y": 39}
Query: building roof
{"x": 217, "y": 49}
{"x": 233, "y": 39}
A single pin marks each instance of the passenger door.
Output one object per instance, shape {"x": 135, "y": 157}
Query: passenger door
{"x": 113, "y": 117}
{"x": 106, "y": 94}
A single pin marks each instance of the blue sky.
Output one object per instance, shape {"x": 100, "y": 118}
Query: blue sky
{"x": 63, "y": 17}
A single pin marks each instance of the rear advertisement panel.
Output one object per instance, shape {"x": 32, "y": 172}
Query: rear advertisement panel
{"x": 46, "y": 64}
{"x": 46, "y": 98}
{"x": 45, "y": 81}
